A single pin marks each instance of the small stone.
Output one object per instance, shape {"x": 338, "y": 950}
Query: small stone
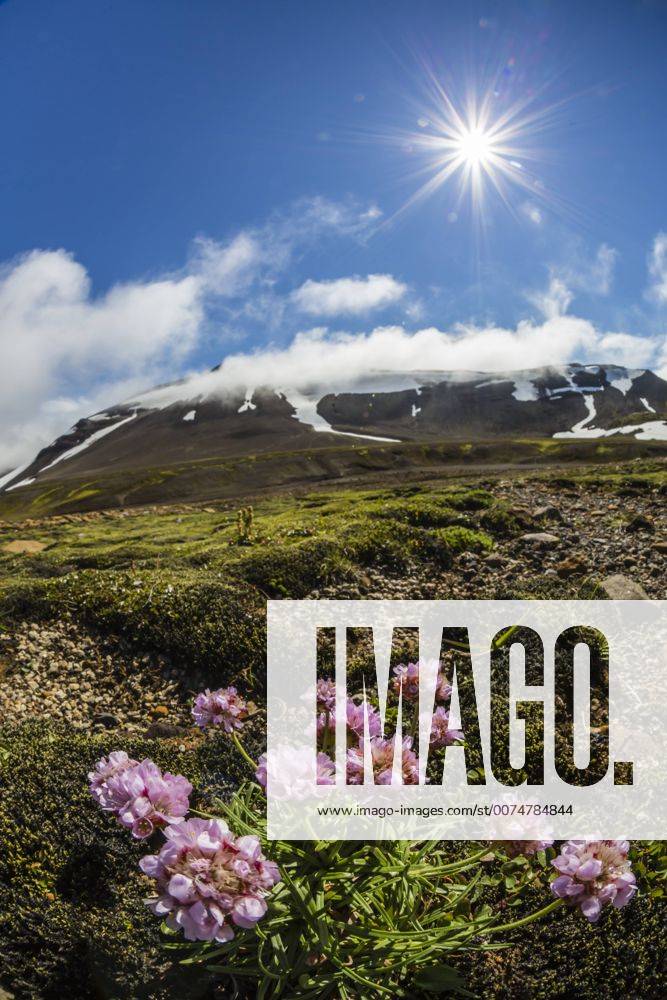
{"x": 660, "y": 548}
{"x": 548, "y": 513}
{"x": 539, "y": 539}
{"x": 158, "y": 710}
{"x": 107, "y": 720}
{"x": 165, "y": 731}
{"x": 495, "y": 559}
{"x": 622, "y": 588}
{"x": 572, "y": 566}
{"x": 640, "y": 523}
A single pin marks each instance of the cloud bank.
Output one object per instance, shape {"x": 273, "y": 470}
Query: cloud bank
{"x": 66, "y": 352}
{"x": 322, "y": 358}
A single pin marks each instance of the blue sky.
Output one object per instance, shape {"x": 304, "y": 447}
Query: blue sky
{"x": 179, "y": 178}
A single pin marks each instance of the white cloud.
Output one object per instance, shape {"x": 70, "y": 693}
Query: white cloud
{"x": 348, "y": 296}
{"x": 555, "y": 300}
{"x": 657, "y": 268}
{"x": 65, "y": 351}
{"x": 600, "y": 274}
{"x": 55, "y": 336}
{"x": 351, "y": 359}
{"x": 581, "y": 274}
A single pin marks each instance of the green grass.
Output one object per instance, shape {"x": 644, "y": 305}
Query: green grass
{"x": 336, "y": 532}
{"x": 235, "y": 477}
{"x": 186, "y": 582}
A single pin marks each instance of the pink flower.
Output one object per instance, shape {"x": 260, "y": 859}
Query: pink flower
{"x": 443, "y": 688}
{"x": 106, "y": 768}
{"x": 326, "y": 695}
{"x": 382, "y": 759}
{"x": 294, "y": 784}
{"x": 441, "y": 734}
{"x": 407, "y": 677}
{"x": 355, "y": 721}
{"x": 223, "y": 707}
{"x": 208, "y": 880}
{"x": 594, "y": 873}
{"x": 515, "y": 848}
{"x": 143, "y": 798}
{"x": 326, "y": 770}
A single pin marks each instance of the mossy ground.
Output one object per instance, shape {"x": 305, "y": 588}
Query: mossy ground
{"x": 187, "y": 582}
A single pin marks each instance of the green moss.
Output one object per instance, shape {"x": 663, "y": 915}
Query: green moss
{"x": 295, "y": 570}
{"x": 566, "y": 958}
{"x": 500, "y": 520}
{"x": 72, "y": 919}
{"x": 393, "y": 545}
{"x": 218, "y": 627}
{"x": 469, "y": 499}
{"x": 421, "y": 512}
{"x": 459, "y": 539}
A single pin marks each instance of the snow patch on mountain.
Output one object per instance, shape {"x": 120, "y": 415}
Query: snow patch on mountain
{"x": 307, "y": 413}
{"x": 653, "y": 430}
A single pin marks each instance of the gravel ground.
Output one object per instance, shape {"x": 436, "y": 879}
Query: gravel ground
{"x": 569, "y": 535}
{"x": 60, "y": 671}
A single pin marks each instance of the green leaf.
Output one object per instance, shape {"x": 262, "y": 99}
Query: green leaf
{"x": 441, "y": 979}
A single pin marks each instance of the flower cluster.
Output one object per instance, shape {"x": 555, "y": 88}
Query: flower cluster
{"x": 224, "y": 707}
{"x": 406, "y": 679}
{"x": 208, "y": 880}
{"x": 354, "y": 720}
{"x": 382, "y": 759}
{"x": 441, "y": 734}
{"x": 326, "y": 695}
{"x": 525, "y": 848}
{"x": 594, "y": 873}
{"x": 140, "y": 796}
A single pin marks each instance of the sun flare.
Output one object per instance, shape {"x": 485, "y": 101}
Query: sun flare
{"x": 475, "y": 146}
{"x": 484, "y": 143}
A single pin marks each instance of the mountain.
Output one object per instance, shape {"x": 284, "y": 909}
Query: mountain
{"x": 205, "y": 419}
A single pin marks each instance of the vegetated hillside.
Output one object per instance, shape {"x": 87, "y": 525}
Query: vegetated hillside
{"x": 248, "y": 476}
{"x": 204, "y": 437}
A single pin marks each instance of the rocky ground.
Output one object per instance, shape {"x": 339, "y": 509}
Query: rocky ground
{"x": 61, "y": 671}
{"x": 571, "y": 535}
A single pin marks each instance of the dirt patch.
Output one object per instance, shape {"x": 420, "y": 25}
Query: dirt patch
{"x": 24, "y": 546}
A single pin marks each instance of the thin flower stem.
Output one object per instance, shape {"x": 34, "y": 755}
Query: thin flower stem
{"x": 244, "y": 753}
{"x": 204, "y": 815}
{"x": 501, "y": 928}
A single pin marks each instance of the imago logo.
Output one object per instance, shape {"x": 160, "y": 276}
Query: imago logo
{"x": 521, "y": 720}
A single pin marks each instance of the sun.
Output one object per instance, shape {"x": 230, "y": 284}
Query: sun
{"x": 475, "y": 146}
{"x": 487, "y": 143}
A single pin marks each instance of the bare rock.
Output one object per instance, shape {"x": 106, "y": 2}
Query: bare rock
{"x": 548, "y": 513}
{"x": 24, "y": 546}
{"x": 640, "y": 522}
{"x": 622, "y": 588}
{"x": 572, "y": 566}
{"x": 540, "y": 539}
